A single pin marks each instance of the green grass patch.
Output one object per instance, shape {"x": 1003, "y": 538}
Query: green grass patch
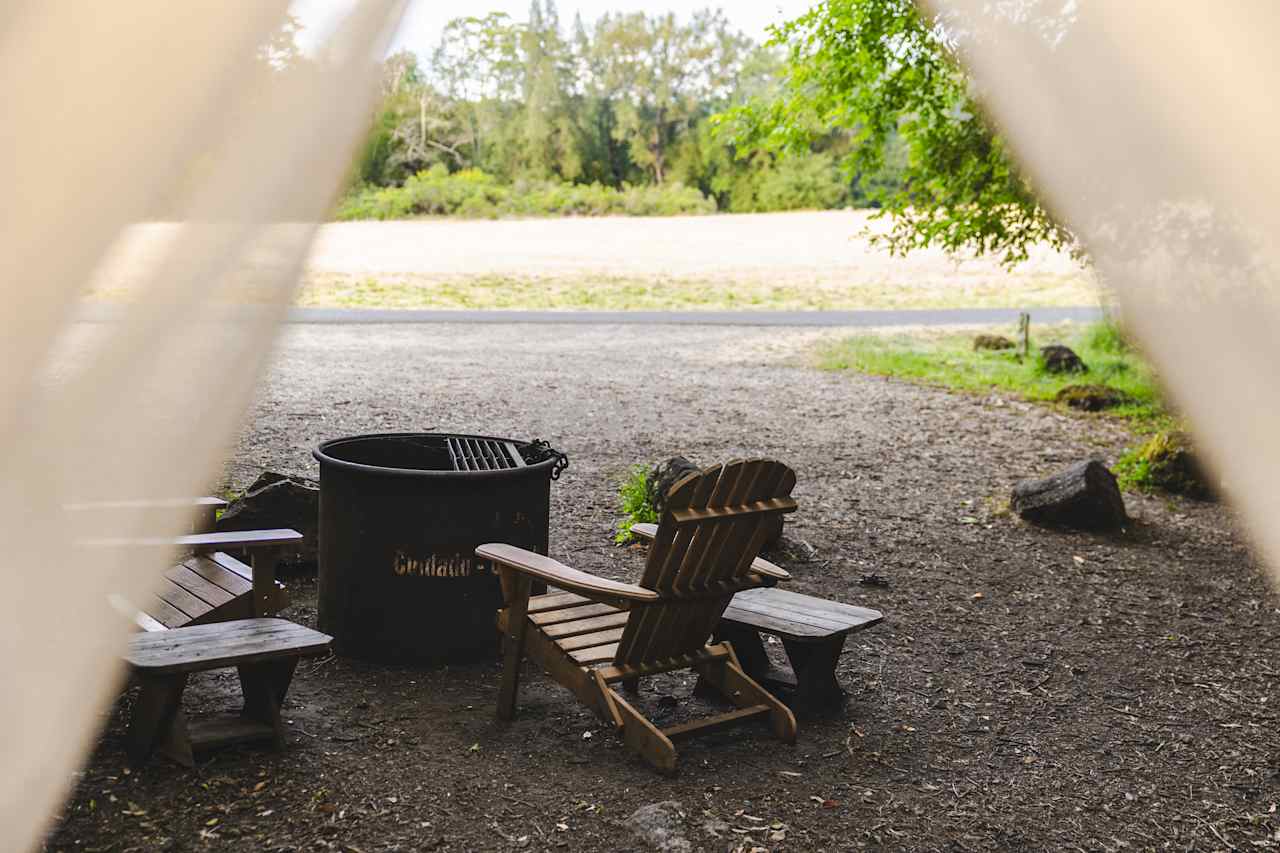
{"x": 1165, "y": 462}
{"x": 949, "y": 361}
{"x": 637, "y": 503}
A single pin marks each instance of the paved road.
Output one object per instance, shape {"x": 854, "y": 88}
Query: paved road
{"x": 926, "y": 317}
{"x": 102, "y": 312}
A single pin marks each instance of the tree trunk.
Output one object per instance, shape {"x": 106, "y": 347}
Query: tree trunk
{"x": 659, "y": 152}
{"x": 1084, "y": 496}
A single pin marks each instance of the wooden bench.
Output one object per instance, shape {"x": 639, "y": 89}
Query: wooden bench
{"x": 264, "y": 650}
{"x": 812, "y": 631}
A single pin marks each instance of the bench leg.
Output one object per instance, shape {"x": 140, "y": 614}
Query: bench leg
{"x": 158, "y": 722}
{"x": 264, "y": 686}
{"x": 815, "y": 667}
{"x": 747, "y": 645}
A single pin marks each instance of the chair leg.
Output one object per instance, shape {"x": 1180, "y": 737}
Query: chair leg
{"x": 645, "y": 738}
{"x": 156, "y": 714}
{"x": 513, "y": 640}
{"x": 727, "y": 676}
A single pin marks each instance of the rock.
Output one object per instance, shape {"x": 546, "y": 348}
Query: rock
{"x": 1092, "y": 398}
{"x": 277, "y": 500}
{"x": 1084, "y": 496}
{"x": 659, "y": 826}
{"x": 1171, "y": 464}
{"x": 1060, "y": 359}
{"x": 996, "y": 342}
{"x": 665, "y": 475}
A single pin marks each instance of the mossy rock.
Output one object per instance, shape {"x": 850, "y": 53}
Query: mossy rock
{"x": 1057, "y": 358}
{"x": 1092, "y": 398}
{"x": 1168, "y": 461}
{"x": 992, "y": 342}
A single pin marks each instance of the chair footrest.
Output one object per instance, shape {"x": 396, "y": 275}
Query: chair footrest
{"x": 227, "y": 730}
{"x": 719, "y": 721}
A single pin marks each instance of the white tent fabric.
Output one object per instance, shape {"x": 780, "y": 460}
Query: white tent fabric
{"x": 1151, "y": 129}
{"x": 111, "y": 111}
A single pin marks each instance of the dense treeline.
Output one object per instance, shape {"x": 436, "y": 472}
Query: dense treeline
{"x": 618, "y": 116}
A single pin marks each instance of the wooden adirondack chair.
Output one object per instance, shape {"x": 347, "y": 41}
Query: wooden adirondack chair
{"x": 208, "y": 585}
{"x": 598, "y": 633}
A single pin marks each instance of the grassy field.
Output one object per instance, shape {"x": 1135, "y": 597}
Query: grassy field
{"x": 948, "y": 360}
{"x": 658, "y": 293}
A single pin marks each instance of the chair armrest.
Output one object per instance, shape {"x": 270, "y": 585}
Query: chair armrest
{"x": 238, "y": 539}
{"x": 206, "y": 541}
{"x": 159, "y": 503}
{"x": 561, "y": 576}
{"x": 759, "y": 565}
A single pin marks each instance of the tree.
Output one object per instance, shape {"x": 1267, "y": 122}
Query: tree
{"x": 478, "y": 67}
{"x": 666, "y": 73}
{"x": 890, "y": 73}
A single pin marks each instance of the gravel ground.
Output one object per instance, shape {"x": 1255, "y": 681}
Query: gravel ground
{"x": 1029, "y": 690}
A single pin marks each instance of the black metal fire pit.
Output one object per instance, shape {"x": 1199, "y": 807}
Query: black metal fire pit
{"x": 401, "y": 515}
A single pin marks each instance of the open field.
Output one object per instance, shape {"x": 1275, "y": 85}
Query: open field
{"x": 802, "y": 260}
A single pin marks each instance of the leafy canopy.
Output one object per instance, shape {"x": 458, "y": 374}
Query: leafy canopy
{"x": 889, "y": 73}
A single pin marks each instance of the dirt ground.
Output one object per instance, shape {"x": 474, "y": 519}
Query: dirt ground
{"x": 1029, "y": 690}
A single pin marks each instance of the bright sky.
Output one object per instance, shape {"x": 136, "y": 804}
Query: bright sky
{"x": 426, "y": 18}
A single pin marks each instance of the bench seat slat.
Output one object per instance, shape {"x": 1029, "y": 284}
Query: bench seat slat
{"x": 553, "y": 617}
{"x": 206, "y": 591}
{"x": 201, "y": 647}
{"x": 584, "y": 641}
{"x": 594, "y": 654}
{"x": 795, "y": 616}
{"x": 182, "y": 600}
{"x": 805, "y": 622}
{"x": 219, "y": 575}
{"x": 164, "y": 612}
{"x": 586, "y": 626}
{"x": 808, "y": 603}
{"x": 555, "y": 601}
{"x": 231, "y": 564}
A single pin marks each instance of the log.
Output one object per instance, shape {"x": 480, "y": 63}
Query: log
{"x": 1084, "y": 496}
{"x": 277, "y": 500}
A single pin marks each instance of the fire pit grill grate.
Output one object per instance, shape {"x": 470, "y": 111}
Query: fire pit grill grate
{"x": 483, "y": 454}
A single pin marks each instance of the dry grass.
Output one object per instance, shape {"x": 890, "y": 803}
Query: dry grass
{"x": 780, "y": 261}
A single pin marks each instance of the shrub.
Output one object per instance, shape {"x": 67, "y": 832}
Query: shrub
{"x": 474, "y": 194}
{"x": 1165, "y": 462}
{"x": 802, "y": 183}
{"x": 636, "y": 502}
{"x": 1106, "y": 336}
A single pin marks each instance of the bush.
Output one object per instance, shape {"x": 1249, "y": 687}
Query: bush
{"x": 473, "y": 194}
{"x": 802, "y": 183}
{"x": 1165, "y": 462}
{"x": 636, "y": 501}
{"x": 1106, "y": 336}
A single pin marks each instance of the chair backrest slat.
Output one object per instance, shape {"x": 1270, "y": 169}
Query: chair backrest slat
{"x": 688, "y": 560}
